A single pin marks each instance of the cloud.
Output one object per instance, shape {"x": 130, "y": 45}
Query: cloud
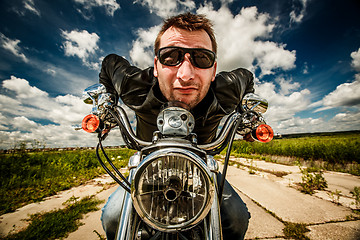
{"x": 243, "y": 46}
{"x": 166, "y": 8}
{"x": 356, "y": 60}
{"x": 286, "y": 86}
{"x": 30, "y": 5}
{"x": 298, "y": 12}
{"x": 300, "y": 125}
{"x": 23, "y": 124}
{"x": 81, "y": 44}
{"x": 27, "y": 6}
{"x": 110, "y": 6}
{"x": 285, "y": 103}
{"x": 346, "y": 94}
{"x": 12, "y": 46}
{"x": 33, "y": 103}
{"x": 142, "y": 52}
{"x": 288, "y": 100}
{"x": 22, "y": 88}
{"x": 29, "y": 113}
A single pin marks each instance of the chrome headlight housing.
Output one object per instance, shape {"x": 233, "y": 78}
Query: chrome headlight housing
{"x": 172, "y": 189}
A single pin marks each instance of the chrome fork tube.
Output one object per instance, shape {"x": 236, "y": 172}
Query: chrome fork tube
{"x": 125, "y": 221}
{"x": 214, "y": 230}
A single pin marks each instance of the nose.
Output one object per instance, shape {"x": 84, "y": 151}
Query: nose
{"x": 186, "y": 69}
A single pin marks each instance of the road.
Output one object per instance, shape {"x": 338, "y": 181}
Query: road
{"x": 266, "y": 188}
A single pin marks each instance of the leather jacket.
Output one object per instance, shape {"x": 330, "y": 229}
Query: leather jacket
{"x": 139, "y": 90}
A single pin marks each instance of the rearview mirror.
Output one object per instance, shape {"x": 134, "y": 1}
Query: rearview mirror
{"x": 254, "y": 102}
{"x": 92, "y": 93}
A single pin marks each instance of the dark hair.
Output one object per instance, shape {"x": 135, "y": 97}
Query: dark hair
{"x": 190, "y": 22}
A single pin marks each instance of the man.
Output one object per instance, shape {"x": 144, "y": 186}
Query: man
{"x": 184, "y": 71}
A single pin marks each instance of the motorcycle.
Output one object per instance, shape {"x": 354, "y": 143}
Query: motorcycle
{"x": 172, "y": 191}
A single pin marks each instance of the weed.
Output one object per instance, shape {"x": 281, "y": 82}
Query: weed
{"x": 57, "y": 223}
{"x": 311, "y": 181}
{"x": 295, "y": 231}
{"x": 252, "y": 169}
{"x": 356, "y": 194}
{"x": 335, "y": 196}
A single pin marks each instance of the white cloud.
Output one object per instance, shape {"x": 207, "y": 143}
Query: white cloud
{"x": 298, "y": 12}
{"x": 81, "y": 44}
{"x": 271, "y": 56}
{"x": 283, "y": 111}
{"x": 110, "y": 5}
{"x": 244, "y": 45}
{"x": 301, "y": 125}
{"x": 30, "y": 5}
{"x": 240, "y": 47}
{"x": 25, "y": 109}
{"x": 356, "y": 60}
{"x": 22, "y": 88}
{"x": 286, "y": 86}
{"x": 283, "y": 105}
{"x": 142, "y": 52}
{"x": 33, "y": 103}
{"x": 23, "y": 124}
{"x": 12, "y": 46}
{"x": 345, "y": 94}
{"x": 27, "y": 6}
{"x": 345, "y": 121}
{"x": 166, "y": 8}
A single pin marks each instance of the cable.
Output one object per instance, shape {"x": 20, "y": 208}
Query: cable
{"x": 226, "y": 162}
{"x": 113, "y": 166}
{"x": 108, "y": 170}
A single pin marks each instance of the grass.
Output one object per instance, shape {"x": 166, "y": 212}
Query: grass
{"x": 311, "y": 181}
{"x": 295, "y": 231}
{"x": 356, "y": 194}
{"x": 30, "y": 177}
{"x": 58, "y": 223}
{"x": 337, "y": 152}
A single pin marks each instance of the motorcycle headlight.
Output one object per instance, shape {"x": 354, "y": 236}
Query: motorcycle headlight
{"x": 172, "y": 189}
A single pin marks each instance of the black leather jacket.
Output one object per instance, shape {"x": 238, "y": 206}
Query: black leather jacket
{"x": 140, "y": 91}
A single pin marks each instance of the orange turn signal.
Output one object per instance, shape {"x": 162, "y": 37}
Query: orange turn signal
{"x": 264, "y": 133}
{"x": 90, "y": 123}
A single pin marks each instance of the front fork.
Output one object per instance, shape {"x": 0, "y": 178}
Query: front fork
{"x": 125, "y": 227}
{"x": 128, "y": 220}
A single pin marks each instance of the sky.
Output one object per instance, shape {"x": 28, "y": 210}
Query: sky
{"x": 305, "y": 56}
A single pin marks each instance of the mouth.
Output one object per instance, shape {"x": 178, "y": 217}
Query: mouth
{"x": 186, "y": 90}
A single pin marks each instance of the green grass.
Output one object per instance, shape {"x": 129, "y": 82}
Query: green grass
{"x": 311, "y": 181}
{"x": 30, "y": 177}
{"x": 334, "y": 150}
{"x": 295, "y": 231}
{"x": 58, "y": 223}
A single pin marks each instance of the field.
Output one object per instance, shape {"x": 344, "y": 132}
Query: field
{"x": 330, "y": 151}
{"x": 31, "y": 176}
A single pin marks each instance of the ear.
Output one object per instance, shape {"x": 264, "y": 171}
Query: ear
{"x": 155, "y": 67}
{"x": 214, "y": 73}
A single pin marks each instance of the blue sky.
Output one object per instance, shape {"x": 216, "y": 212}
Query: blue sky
{"x": 305, "y": 55}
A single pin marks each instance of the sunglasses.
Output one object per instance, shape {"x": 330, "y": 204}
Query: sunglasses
{"x": 199, "y": 57}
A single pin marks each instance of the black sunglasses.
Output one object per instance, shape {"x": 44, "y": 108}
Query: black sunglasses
{"x": 199, "y": 57}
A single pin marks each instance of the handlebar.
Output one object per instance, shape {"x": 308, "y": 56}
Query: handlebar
{"x": 104, "y": 107}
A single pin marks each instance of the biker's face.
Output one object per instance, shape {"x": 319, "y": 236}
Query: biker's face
{"x": 184, "y": 82}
